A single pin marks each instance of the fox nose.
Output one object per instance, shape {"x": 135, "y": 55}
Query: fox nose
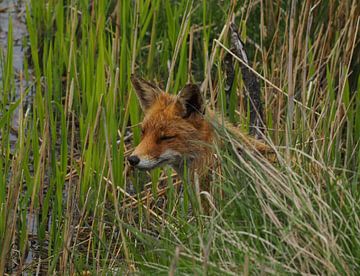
{"x": 133, "y": 160}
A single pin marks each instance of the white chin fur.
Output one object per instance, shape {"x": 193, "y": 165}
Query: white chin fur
{"x": 147, "y": 164}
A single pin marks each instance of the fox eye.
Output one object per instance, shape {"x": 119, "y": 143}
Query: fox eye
{"x": 142, "y": 131}
{"x": 167, "y": 137}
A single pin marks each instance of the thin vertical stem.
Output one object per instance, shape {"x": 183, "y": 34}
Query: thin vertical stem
{"x": 290, "y": 107}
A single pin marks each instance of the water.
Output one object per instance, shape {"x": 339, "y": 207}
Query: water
{"x": 14, "y": 11}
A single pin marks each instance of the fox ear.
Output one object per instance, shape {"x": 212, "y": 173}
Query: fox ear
{"x": 191, "y": 99}
{"x": 146, "y": 92}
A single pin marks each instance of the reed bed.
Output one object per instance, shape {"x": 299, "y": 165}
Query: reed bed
{"x": 69, "y": 203}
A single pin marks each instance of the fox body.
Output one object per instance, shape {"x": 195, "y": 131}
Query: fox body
{"x": 174, "y": 130}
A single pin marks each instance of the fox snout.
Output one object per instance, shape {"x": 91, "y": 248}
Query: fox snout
{"x": 147, "y": 162}
{"x": 144, "y": 162}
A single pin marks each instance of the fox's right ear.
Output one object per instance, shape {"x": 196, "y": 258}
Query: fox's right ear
{"x": 146, "y": 92}
{"x": 191, "y": 99}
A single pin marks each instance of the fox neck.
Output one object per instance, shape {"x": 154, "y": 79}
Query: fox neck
{"x": 200, "y": 165}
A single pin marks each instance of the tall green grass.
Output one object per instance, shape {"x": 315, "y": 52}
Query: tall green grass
{"x": 65, "y": 204}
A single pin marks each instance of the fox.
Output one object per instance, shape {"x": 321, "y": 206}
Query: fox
{"x": 176, "y": 131}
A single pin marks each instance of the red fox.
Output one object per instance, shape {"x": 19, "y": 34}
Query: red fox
{"x": 175, "y": 130}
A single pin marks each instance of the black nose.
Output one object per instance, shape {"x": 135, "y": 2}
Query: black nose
{"x": 133, "y": 160}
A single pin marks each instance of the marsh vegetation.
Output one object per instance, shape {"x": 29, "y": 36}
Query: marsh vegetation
{"x": 69, "y": 202}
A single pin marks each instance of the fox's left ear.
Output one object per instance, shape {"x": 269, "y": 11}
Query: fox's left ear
{"x": 191, "y": 99}
{"x": 146, "y": 91}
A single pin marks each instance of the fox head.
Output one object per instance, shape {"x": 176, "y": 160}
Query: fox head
{"x": 173, "y": 129}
